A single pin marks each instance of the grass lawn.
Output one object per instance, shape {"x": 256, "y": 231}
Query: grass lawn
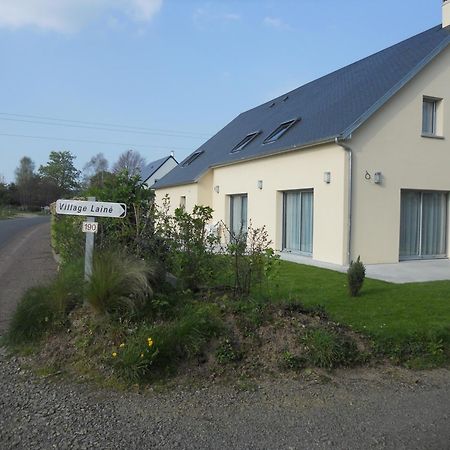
{"x": 393, "y": 314}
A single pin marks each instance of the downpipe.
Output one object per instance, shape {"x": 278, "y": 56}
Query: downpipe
{"x": 341, "y": 143}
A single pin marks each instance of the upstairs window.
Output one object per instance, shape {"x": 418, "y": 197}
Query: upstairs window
{"x": 249, "y": 138}
{"x": 190, "y": 159}
{"x": 429, "y": 109}
{"x": 432, "y": 117}
{"x": 275, "y": 135}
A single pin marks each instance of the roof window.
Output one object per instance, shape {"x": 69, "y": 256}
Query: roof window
{"x": 191, "y": 159}
{"x": 249, "y": 138}
{"x": 275, "y": 135}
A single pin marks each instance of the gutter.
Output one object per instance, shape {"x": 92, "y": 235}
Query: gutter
{"x": 341, "y": 142}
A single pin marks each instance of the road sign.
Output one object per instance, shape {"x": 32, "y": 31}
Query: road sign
{"x": 90, "y": 227}
{"x": 91, "y": 208}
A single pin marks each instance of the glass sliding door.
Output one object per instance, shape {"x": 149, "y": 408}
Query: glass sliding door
{"x": 238, "y": 214}
{"x": 423, "y": 225}
{"x": 298, "y": 221}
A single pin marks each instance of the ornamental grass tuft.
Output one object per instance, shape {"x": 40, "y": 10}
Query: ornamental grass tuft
{"x": 119, "y": 284}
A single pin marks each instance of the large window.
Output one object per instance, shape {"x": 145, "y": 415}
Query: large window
{"x": 423, "y": 224}
{"x": 298, "y": 221}
{"x": 238, "y": 214}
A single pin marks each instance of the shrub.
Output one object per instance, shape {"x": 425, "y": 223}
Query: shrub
{"x": 119, "y": 284}
{"x": 253, "y": 260}
{"x": 355, "y": 276}
{"x": 190, "y": 247}
{"x": 67, "y": 238}
{"x": 328, "y": 349}
{"x": 34, "y": 315}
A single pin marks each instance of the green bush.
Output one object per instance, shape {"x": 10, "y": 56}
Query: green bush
{"x": 355, "y": 276}
{"x": 190, "y": 247}
{"x": 119, "y": 284}
{"x": 328, "y": 349}
{"x": 68, "y": 240}
{"x": 35, "y": 314}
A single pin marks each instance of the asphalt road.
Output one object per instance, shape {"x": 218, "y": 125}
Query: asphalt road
{"x": 9, "y": 229}
{"x": 25, "y": 260}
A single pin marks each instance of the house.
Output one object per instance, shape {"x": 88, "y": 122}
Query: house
{"x": 354, "y": 163}
{"x": 154, "y": 171}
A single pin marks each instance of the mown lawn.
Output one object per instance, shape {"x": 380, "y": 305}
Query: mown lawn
{"x": 393, "y": 314}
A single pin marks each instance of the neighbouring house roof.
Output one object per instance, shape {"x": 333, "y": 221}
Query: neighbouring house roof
{"x": 150, "y": 169}
{"x": 330, "y": 107}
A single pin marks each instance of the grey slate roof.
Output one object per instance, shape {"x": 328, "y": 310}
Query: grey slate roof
{"x": 152, "y": 167}
{"x": 329, "y": 107}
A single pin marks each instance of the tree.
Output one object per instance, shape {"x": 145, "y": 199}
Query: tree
{"x": 61, "y": 172}
{"x": 130, "y": 161}
{"x": 94, "y": 171}
{"x": 26, "y": 181}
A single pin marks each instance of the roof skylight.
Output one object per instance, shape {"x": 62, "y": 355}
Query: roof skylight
{"x": 276, "y": 134}
{"x": 191, "y": 158}
{"x": 249, "y": 138}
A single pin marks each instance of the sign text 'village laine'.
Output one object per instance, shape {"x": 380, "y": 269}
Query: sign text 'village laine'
{"x": 91, "y": 208}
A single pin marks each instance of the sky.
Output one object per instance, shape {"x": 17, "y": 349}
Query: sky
{"x": 157, "y": 76}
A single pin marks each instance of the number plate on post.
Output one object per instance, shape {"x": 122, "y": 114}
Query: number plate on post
{"x": 90, "y": 227}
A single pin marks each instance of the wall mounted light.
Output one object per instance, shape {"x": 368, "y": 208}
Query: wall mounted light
{"x": 377, "y": 177}
{"x": 259, "y": 184}
{"x": 216, "y": 189}
{"x": 327, "y": 177}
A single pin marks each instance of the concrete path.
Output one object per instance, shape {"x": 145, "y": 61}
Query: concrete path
{"x": 403, "y": 272}
{"x": 25, "y": 260}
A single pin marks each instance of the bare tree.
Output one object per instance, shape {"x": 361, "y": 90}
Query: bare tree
{"x": 131, "y": 161}
{"x": 95, "y": 169}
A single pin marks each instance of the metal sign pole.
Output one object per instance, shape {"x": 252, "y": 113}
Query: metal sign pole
{"x": 89, "y": 249}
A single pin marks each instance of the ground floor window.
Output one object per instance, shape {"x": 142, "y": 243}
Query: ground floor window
{"x": 238, "y": 214}
{"x": 423, "y": 224}
{"x": 298, "y": 221}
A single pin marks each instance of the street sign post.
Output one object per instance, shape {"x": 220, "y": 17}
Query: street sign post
{"x": 91, "y": 209}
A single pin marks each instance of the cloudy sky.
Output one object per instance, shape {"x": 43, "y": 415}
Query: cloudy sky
{"x": 95, "y": 76}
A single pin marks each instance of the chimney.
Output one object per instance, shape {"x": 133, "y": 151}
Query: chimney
{"x": 446, "y": 14}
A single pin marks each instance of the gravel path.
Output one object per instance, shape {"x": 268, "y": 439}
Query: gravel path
{"x": 364, "y": 409}
{"x": 393, "y": 409}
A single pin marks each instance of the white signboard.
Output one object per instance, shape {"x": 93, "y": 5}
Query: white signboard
{"x": 90, "y": 227}
{"x": 91, "y": 208}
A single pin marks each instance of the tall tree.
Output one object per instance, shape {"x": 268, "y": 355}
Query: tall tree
{"x": 26, "y": 181}
{"x": 61, "y": 172}
{"x": 131, "y": 161}
{"x": 94, "y": 171}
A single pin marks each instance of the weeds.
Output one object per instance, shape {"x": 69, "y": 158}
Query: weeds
{"x": 328, "y": 349}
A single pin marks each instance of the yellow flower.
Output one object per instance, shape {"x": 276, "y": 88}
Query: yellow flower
{"x": 114, "y": 354}
{"x": 150, "y": 342}
{"x": 122, "y": 345}
{"x": 142, "y": 355}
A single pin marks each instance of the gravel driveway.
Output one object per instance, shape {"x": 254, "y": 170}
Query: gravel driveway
{"x": 358, "y": 409}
